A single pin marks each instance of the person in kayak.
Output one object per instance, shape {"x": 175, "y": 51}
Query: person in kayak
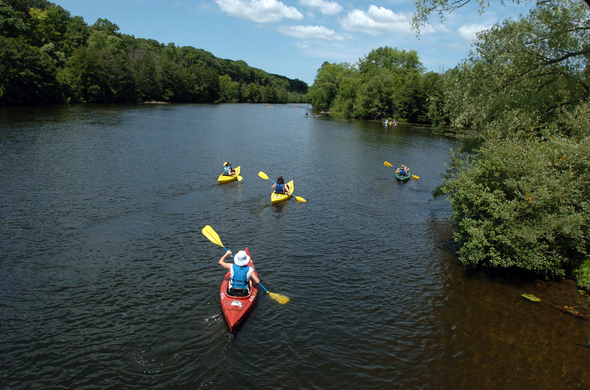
{"x": 403, "y": 170}
{"x": 241, "y": 273}
{"x": 227, "y": 169}
{"x": 280, "y": 187}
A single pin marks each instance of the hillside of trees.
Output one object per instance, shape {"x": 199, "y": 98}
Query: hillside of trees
{"x": 49, "y": 57}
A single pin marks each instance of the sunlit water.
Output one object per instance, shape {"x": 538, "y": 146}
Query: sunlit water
{"x": 108, "y": 283}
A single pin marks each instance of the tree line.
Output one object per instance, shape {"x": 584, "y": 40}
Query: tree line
{"x": 385, "y": 84}
{"x": 49, "y": 57}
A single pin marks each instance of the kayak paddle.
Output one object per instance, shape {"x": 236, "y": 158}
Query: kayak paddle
{"x": 567, "y": 309}
{"x": 388, "y": 164}
{"x": 214, "y": 238}
{"x": 265, "y": 177}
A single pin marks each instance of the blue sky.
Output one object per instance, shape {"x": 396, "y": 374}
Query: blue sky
{"x": 294, "y": 37}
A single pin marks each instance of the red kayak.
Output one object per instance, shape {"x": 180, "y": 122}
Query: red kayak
{"x": 235, "y": 309}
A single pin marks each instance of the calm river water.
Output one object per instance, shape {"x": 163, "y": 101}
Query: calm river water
{"x": 107, "y": 282}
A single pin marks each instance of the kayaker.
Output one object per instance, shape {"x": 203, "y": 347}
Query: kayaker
{"x": 280, "y": 187}
{"x": 403, "y": 170}
{"x": 241, "y": 273}
{"x": 227, "y": 169}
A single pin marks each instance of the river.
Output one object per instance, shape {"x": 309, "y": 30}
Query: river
{"x": 108, "y": 283}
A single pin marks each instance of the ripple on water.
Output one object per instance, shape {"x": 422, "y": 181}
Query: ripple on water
{"x": 107, "y": 281}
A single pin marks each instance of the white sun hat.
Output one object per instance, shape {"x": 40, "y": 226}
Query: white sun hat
{"x": 241, "y": 258}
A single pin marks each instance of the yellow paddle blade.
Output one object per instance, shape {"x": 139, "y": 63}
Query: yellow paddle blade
{"x": 415, "y": 177}
{"x": 531, "y": 297}
{"x": 240, "y": 178}
{"x": 263, "y": 175}
{"x": 211, "y": 235}
{"x": 300, "y": 199}
{"x": 279, "y": 298}
{"x": 387, "y": 164}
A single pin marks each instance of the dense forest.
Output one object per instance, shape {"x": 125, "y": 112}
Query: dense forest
{"x": 48, "y": 56}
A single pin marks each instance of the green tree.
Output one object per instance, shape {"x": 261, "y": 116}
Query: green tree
{"x": 536, "y": 65}
{"x": 228, "y": 89}
{"x": 376, "y": 95}
{"x": 442, "y": 7}
{"x": 251, "y": 93}
{"x": 326, "y": 85}
{"x": 27, "y": 75}
{"x": 399, "y": 62}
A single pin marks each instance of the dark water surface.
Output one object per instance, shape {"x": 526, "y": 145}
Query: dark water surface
{"x": 108, "y": 283}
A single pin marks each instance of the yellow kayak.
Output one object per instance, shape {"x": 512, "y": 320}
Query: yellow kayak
{"x": 222, "y": 179}
{"x": 278, "y": 198}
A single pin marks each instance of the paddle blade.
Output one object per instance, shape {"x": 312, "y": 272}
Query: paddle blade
{"x": 263, "y": 175}
{"x": 387, "y": 164}
{"x": 415, "y": 177}
{"x": 240, "y": 178}
{"x": 211, "y": 235}
{"x": 300, "y": 199}
{"x": 279, "y": 298}
{"x": 531, "y": 297}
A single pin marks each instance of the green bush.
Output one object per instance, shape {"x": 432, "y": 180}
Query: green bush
{"x": 523, "y": 203}
{"x": 582, "y": 274}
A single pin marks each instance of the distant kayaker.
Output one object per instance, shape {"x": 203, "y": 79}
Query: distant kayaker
{"x": 240, "y": 274}
{"x": 280, "y": 187}
{"x": 227, "y": 169}
{"x": 403, "y": 170}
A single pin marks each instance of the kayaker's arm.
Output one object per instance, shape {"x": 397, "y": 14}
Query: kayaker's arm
{"x": 222, "y": 260}
{"x": 255, "y": 278}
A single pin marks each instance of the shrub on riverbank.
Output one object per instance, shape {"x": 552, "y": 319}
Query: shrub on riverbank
{"x": 524, "y": 202}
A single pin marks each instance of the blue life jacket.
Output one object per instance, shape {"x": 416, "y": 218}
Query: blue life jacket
{"x": 240, "y": 277}
{"x": 403, "y": 172}
{"x": 280, "y": 188}
{"x": 226, "y": 169}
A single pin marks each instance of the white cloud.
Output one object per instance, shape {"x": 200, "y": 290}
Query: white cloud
{"x": 325, "y": 7}
{"x": 468, "y": 31}
{"x": 261, "y": 11}
{"x": 309, "y": 32}
{"x": 377, "y": 21}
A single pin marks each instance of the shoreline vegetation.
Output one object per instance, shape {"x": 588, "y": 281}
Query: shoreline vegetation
{"x": 519, "y": 199}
